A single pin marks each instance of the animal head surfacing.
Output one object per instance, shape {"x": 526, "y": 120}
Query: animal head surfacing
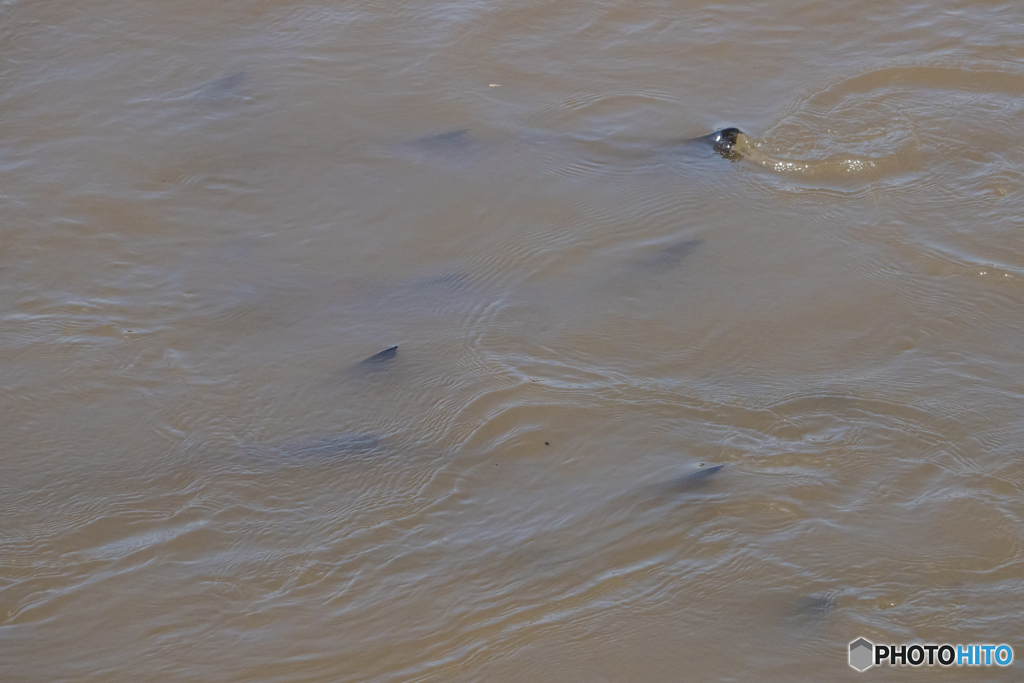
{"x": 729, "y": 142}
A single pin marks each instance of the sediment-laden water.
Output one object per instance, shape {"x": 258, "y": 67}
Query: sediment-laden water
{"x": 213, "y": 214}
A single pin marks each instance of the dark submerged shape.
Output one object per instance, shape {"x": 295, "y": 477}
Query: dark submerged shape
{"x": 816, "y": 605}
{"x": 669, "y": 257}
{"x": 380, "y": 358}
{"x": 442, "y": 140}
{"x": 223, "y": 87}
{"x": 694, "y": 479}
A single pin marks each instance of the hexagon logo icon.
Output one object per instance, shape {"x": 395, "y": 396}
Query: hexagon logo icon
{"x": 861, "y": 654}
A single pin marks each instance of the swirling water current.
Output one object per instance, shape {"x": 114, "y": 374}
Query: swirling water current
{"x": 210, "y": 213}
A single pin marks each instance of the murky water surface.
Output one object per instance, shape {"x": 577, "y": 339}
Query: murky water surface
{"x": 210, "y": 213}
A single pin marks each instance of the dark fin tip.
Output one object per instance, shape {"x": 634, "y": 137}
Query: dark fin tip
{"x": 385, "y": 355}
{"x": 694, "y": 479}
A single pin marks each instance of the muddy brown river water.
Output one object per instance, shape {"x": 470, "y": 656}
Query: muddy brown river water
{"x": 210, "y": 213}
